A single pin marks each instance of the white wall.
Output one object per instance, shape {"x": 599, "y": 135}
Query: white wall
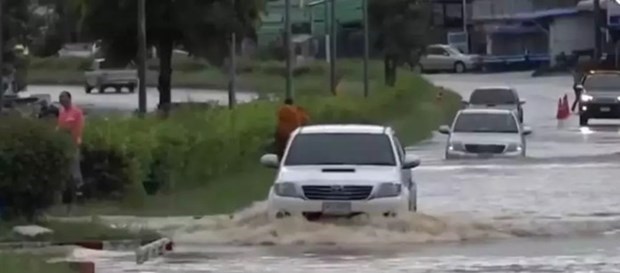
{"x": 570, "y": 33}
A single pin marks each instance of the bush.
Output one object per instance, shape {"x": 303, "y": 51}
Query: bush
{"x": 34, "y": 166}
{"x": 194, "y": 146}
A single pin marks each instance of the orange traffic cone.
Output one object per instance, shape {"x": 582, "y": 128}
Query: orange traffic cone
{"x": 565, "y": 106}
{"x": 558, "y": 113}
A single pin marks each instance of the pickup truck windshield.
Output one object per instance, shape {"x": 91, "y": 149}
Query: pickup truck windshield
{"x": 341, "y": 149}
{"x": 604, "y": 82}
{"x": 486, "y": 123}
{"x": 493, "y": 96}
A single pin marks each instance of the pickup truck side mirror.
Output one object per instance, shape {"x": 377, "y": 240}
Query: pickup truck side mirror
{"x": 444, "y": 129}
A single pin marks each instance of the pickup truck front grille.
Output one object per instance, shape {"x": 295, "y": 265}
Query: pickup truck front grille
{"x": 337, "y": 192}
{"x": 485, "y": 149}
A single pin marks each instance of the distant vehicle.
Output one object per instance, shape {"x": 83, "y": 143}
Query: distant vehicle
{"x": 500, "y": 97}
{"x": 342, "y": 170}
{"x": 448, "y": 58}
{"x": 485, "y": 133}
{"x": 600, "y": 96}
{"x": 80, "y": 50}
{"x": 99, "y": 78}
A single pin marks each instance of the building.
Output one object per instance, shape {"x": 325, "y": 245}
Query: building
{"x": 540, "y": 30}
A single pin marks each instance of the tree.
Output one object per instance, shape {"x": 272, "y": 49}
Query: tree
{"x": 402, "y": 27}
{"x": 202, "y": 27}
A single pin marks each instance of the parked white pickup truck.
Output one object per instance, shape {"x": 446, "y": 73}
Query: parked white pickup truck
{"x": 99, "y": 78}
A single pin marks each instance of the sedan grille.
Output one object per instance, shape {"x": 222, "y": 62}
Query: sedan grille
{"x": 485, "y": 149}
{"x": 337, "y": 193}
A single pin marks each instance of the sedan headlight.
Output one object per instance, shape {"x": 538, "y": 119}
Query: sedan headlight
{"x": 286, "y": 189}
{"x": 515, "y": 147}
{"x": 386, "y": 190}
{"x": 586, "y": 97}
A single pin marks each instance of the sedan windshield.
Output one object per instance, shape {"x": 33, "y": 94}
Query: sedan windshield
{"x": 493, "y": 96}
{"x": 341, "y": 149}
{"x": 486, "y": 123}
{"x": 606, "y": 82}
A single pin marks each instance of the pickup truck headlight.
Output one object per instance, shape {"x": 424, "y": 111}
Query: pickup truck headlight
{"x": 286, "y": 189}
{"x": 586, "y": 98}
{"x": 455, "y": 146}
{"x": 386, "y": 190}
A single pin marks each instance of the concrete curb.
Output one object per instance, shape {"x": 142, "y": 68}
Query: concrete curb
{"x": 153, "y": 250}
{"x": 94, "y": 245}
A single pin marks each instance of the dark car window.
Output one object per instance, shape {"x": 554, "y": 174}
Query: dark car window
{"x": 340, "y": 149}
{"x": 606, "y": 82}
{"x": 436, "y": 51}
{"x": 493, "y": 96}
{"x": 486, "y": 123}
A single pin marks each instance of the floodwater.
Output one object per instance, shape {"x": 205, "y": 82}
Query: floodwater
{"x": 556, "y": 211}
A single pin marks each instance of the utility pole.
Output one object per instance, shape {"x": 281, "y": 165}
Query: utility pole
{"x": 289, "y": 52}
{"x": 366, "y": 45}
{"x": 141, "y": 57}
{"x": 232, "y": 98}
{"x": 326, "y": 27}
{"x": 597, "y": 30}
{"x": 2, "y": 90}
{"x": 465, "y": 30}
{"x": 332, "y": 53}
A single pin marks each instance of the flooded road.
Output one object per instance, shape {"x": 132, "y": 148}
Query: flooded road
{"x": 557, "y": 210}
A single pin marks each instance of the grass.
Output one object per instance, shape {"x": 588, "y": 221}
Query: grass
{"x": 230, "y": 193}
{"x": 70, "y": 232}
{"x": 21, "y": 263}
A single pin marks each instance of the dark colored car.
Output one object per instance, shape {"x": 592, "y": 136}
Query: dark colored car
{"x": 500, "y": 97}
{"x": 599, "y": 96}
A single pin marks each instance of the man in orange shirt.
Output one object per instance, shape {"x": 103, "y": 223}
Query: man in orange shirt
{"x": 290, "y": 117}
{"x": 71, "y": 120}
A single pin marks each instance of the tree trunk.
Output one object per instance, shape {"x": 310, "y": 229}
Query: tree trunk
{"x": 164, "y": 53}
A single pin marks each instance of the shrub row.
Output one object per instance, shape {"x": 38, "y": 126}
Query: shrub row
{"x": 128, "y": 158}
{"x": 193, "y": 147}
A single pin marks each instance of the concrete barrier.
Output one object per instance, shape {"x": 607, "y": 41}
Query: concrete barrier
{"x": 153, "y": 250}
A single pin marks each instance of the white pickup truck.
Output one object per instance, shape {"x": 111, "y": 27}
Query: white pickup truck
{"x": 99, "y": 78}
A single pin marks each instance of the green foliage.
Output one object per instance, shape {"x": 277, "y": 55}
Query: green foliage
{"x": 21, "y": 263}
{"x": 402, "y": 25}
{"x": 34, "y": 165}
{"x": 193, "y": 147}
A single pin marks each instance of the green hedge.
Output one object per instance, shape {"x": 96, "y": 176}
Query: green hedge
{"x": 34, "y": 166}
{"x": 193, "y": 147}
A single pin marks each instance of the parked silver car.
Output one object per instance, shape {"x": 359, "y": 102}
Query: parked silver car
{"x": 447, "y": 58}
{"x": 484, "y": 133}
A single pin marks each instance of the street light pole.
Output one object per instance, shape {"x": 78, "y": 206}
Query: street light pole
{"x": 597, "y": 30}
{"x": 141, "y": 57}
{"x": 232, "y": 98}
{"x": 465, "y": 30}
{"x": 332, "y": 53}
{"x": 289, "y": 55}
{"x": 326, "y": 27}
{"x": 366, "y": 45}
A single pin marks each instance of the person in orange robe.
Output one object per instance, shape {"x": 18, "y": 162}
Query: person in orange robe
{"x": 290, "y": 117}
